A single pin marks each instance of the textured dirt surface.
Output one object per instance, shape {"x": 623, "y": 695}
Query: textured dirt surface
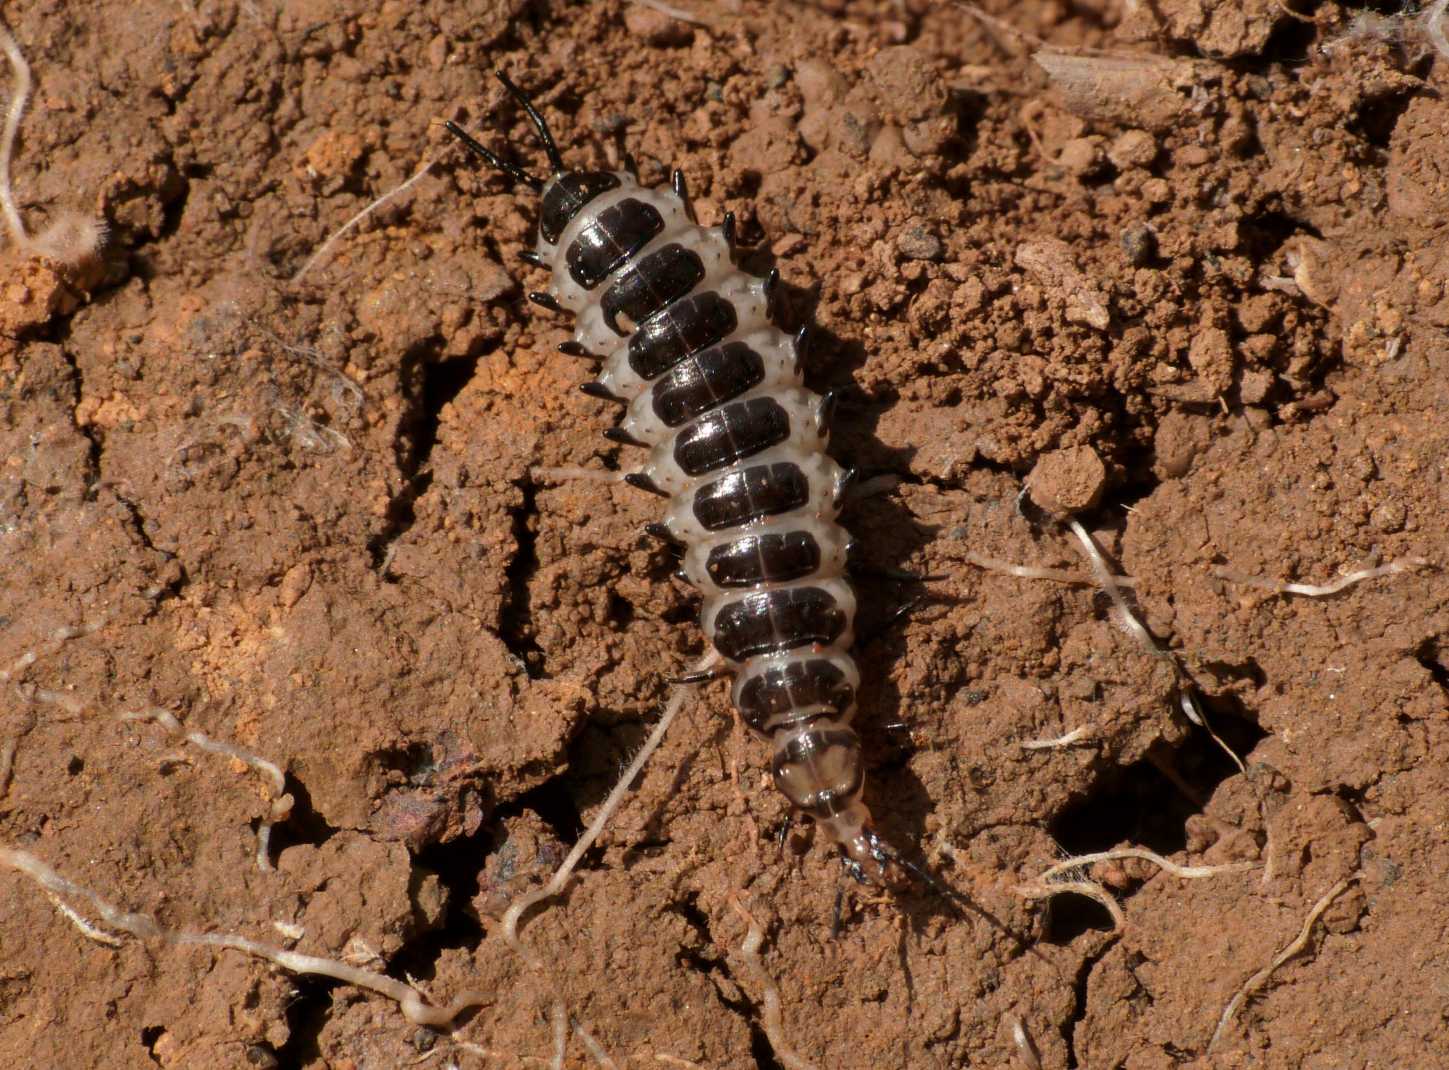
{"x": 1189, "y": 272}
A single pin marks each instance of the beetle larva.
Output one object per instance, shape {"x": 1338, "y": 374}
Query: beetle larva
{"x": 714, "y": 390}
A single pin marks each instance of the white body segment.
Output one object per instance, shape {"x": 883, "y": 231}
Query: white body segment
{"x": 781, "y": 370}
{"x": 805, "y": 411}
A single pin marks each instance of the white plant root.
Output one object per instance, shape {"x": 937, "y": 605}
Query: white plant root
{"x": 559, "y": 881}
{"x": 1046, "y": 884}
{"x": 275, "y": 779}
{"x": 774, "y": 1020}
{"x": 1134, "y": 627}
{"x": 1032, "y": 572}
{"x": 72, "y": 237}
{"x": 19, "y": 93}
{"x": 1142, "y": 853}
{"x": 1299, "y": 943}
{"x": 143, "y": 926}
{"x": 326, "y": 247}
{"x": 1323, "y": 590}
{"x": 1026, "y": 1052}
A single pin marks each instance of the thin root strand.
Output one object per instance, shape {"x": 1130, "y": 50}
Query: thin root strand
{"x": 1091, "y": 889}
{"x": 1169, "y": 866}
{"x": 1134, "y": 627}
{"x": 143, "y": 926}
{"x": 71, "y": 238}
{"x": 276, "y": 780}
{"x": 1046, "y": 885}
{"x": 7, "y": 765}
{"x": 326, "y": 247}
{"x": 670, "y": 11}
{"x": 1032, "y": 572}
{"x": 774, "y": 1022}
{"x": 560, "y": 878}
{"x": 1299, "y": 943}
{"x": 1323, "y": 590}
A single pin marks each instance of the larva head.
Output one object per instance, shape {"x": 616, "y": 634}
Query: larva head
{"x": 564, "y": 192}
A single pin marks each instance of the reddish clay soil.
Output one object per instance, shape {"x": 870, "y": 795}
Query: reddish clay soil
{"x": 1186, "y": 278}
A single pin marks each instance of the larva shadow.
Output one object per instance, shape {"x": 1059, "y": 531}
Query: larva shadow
{"x": 887, "y": 544}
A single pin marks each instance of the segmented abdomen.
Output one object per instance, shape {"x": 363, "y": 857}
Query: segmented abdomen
{"x": 713, "y": 388}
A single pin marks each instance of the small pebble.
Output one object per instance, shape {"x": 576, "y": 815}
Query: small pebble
{"x": 1254, "y": 386}
{"x": 1081, "y": 156}
{"x": 1139, "y": 241}
{"x": 1389, "y": 517}
{"x": 656, "y": 28}
{"x": 918, "y": 242}
{"x": 1134, "y": 148}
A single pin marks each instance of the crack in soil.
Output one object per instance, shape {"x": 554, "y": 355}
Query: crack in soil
{"x": 716, "y": 968}
{"x": 515, "y": 618}
{"x": 1079, "y": 1001}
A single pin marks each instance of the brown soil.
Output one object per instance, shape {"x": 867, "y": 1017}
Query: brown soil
{"x": 1206, "y": 287}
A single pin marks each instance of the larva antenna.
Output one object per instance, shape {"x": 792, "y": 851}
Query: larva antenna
{"x": 550, "y": 147}
{"x": 477, "y": 148}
